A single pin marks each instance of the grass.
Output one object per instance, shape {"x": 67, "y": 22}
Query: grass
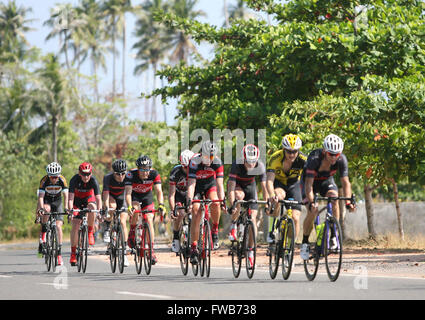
{"x": 389, "y": 242}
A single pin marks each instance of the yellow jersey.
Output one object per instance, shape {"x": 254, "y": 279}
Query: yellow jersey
{"x": 275, "y": 164}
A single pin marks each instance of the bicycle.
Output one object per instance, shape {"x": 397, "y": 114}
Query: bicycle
{"x": 240, "y": 248}
{"x": 284, "y": 244}
{"x": 205, "y": 240}
{"x": 50, "y": 248}
{"x": 326, "y": 232}
{"x": 116, "y": 247}
{"x": 83, "y": 240}
{"x": 184, "y": 239}
{"x": 143, "y": 247}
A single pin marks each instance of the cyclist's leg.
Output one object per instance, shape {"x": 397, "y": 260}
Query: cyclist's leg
{"x": 330, "y": 189}
{"x": 150, "y": 221}
{"x": 294, "y": 192}
{"x": 251, "y": 194}
{"x": 91, "y": 216}
{"x": 133, "y": 223}
{"x": 239, "y": 195}
{"x": 215, "y": 208}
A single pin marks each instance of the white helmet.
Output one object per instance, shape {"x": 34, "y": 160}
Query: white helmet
{"x": 185, "y": 157}
{"x": 250, "y": 153}
{"x": 209, "y": 148}
{"x": 53, "y": 169}
{"x": 333, "y": 144}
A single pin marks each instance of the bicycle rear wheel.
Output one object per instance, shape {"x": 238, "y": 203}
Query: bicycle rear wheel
{"x": 120, "y": 250}
{"x": 288, "y": 244}
{"x": 333, "y": 248}
{"x": 147, "y": 248}
{"x": 206, "y": 250}
{"x": 184, "y": 248}
{"x": 248, "y": 233}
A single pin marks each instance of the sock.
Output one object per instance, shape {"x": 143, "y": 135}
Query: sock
{"x": 176, "y": 235}
{"x": 73, "y": 250}
{"x": 214, "y": 228}
{"x": 59, "y": 250}
{"x": 305, "y": 239}
{"x": 90, "y": 229}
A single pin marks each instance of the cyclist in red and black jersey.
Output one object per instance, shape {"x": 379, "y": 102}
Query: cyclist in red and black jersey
{"x": 242, "y": 186}
{"x": 205, "y": 179}
{"x": 84, "y": 192}
{"x": 138, "y": 195}
{"x": 113, "y": 198}
{"x": 50, "y": 191}
{"x": 177, "y": 194}
{"x": 317, "y": 177}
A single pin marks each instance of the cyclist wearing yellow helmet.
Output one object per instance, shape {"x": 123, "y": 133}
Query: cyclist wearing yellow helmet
{"x": 283, "y": 178}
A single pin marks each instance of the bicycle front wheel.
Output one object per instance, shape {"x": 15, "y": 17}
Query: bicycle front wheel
{"x": 236, "y": 253}
{"x": 184, "y": 249}
{"x": 112, "y": 251}
{"x": 138, "y": 254}
{"x": 206, "y": 250}
{"x": 82, "y": 250}
{"x": 288, "y": 244}
{"x": 48, "y": 250}
{"x": 54, "y": 249}
{"x": 147, "y": 248}
{"x": 250, "y": 250}
{"x": 120, "y": 250}
{"x": 333, "y": 248}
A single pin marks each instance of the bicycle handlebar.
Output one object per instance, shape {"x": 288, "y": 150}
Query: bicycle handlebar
{"x": 207, "y": 200}
{"x": 352, "y": 198}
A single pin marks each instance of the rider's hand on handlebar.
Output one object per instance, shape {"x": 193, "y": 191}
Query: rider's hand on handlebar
{"x": 40, "y": 212}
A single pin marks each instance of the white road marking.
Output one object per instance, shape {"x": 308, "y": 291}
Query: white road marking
{"x": 2, "y": 276}
{"x": 148, "y": 295}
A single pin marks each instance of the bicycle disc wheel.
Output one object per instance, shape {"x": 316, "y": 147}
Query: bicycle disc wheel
{"x": 147, "y": 249}
{"x": 248, "y": 233}
{"x": 206, "y": 250}
{"x": 333, "y": 248}
{"x": 288, "y": 244}
{"x": 48, "y": 250}
{"x": 120, "y": 250}
{"x": 112, "y": 251}
{"x": 54, "y": 249}
{"x": 138, "y": 254}
{"x": 184, "y": 249}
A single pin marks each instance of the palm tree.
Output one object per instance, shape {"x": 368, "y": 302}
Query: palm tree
{"x": 13, "y": 26}
{"x": 182, "y": 43}
{"x": 154, "y": 42}
{"x": 239, "y": 11}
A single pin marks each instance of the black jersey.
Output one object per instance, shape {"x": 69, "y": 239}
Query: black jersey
{"x": 142, "y": 188}
{"x": 178, "y": 178}
{"x": 83, "y": 190}
{"x": 115, "y": 188}
{"x": 244, "y": 177}
{"x": 314, "y": 161}
{"x": 52, "y": 191}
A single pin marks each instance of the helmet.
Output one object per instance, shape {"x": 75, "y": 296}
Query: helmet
{"x": 119, "y": 165}
{"x": 53, "y": 169}
{"x": 250, "y": 153}
{"x": 333, "y": 144}
{"x": 185, "y": 157}
{"x": 291, "y": 142}
{"x": 209, "y": 148}
{"x": 144, "y": 161}
{"x": 85, "y": 167}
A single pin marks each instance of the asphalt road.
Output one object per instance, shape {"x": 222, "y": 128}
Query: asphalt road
{"x": 23, "y": 276}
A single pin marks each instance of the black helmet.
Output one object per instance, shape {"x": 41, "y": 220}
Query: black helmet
{"x": 144, "y": 161}
{"x": 119, "y": 166}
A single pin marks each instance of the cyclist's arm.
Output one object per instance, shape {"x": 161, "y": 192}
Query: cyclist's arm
{"x": 105, "y": 199}
{"x": 40, "y": 200}
{"x": 269, "y": 184}
{"x": 171, "y": 194}
{"x": 128, "y": 189}
{"x": 71, "y": 200}
{"x": 158, "y": 192}
{"x": 231, "y": 185}
{"x": 191, "y": 183}
{"x": 264, "y": 190}
{"x": 220, "y": 188}
{"x": 346, "y": 188}
{"x": 309, "y": 189}
{"x": 65, "y": 198}
{"x": 98, "y": 201}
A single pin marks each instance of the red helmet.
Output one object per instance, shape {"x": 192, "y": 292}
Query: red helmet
{"x": 85, "y": 167}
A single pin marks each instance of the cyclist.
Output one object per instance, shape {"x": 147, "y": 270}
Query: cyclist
{"x": 242, "y": 186}
{"x": 177, "y": 194}
{"x": 50, "y": 191}
{"x": 84, "y": 192}
{"x": 283, "y": 179}
{"x": 205, "y": 179}
{"x": 321, "y": 165}
{"x": 138, "y": 196}
{"x": 113, "y": 198}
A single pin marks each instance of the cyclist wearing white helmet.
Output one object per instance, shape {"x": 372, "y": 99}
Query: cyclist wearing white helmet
{"x": 205, "y": 179}
{"x": 242, "y": 186}
{"x": 50, "y": 191}
{"x": 177, "y": 194}
{"x": 317, "y": 177}
{"x": 283, "y": 179}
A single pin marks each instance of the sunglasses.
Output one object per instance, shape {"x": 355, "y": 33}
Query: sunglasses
{"x": 85, "y": 174}
{"x": 211, "y": 157}
{"x": 54, "y": 177}
{"x": 291, "y": 151}
{"x": 336, "y": 155}
{"x": 144, "y": 170}
{"x": 120, "y": 173}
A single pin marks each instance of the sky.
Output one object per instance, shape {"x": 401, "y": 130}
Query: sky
{"x": 134, "y": 84}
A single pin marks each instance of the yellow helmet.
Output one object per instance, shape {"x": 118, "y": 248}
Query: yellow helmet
{"x": 291, "y": 142}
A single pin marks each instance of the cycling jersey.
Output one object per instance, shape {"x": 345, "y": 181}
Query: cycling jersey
{"x": 244, "y": 177}
{"x": 275, "y": 165}
{"x": 142, "y": 188}
{"x": 83, "y": 192}
{"x": 178, "y": 178}
{"x": 52, "y": 191}
{"x": 314, "y": 162}
{"x": 114, "y": 187}
{"x": 205, "y": 175}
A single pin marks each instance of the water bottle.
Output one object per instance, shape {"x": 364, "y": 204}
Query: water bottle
{"x": 241, "y": 230}
{"x": 319, "y": 231}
